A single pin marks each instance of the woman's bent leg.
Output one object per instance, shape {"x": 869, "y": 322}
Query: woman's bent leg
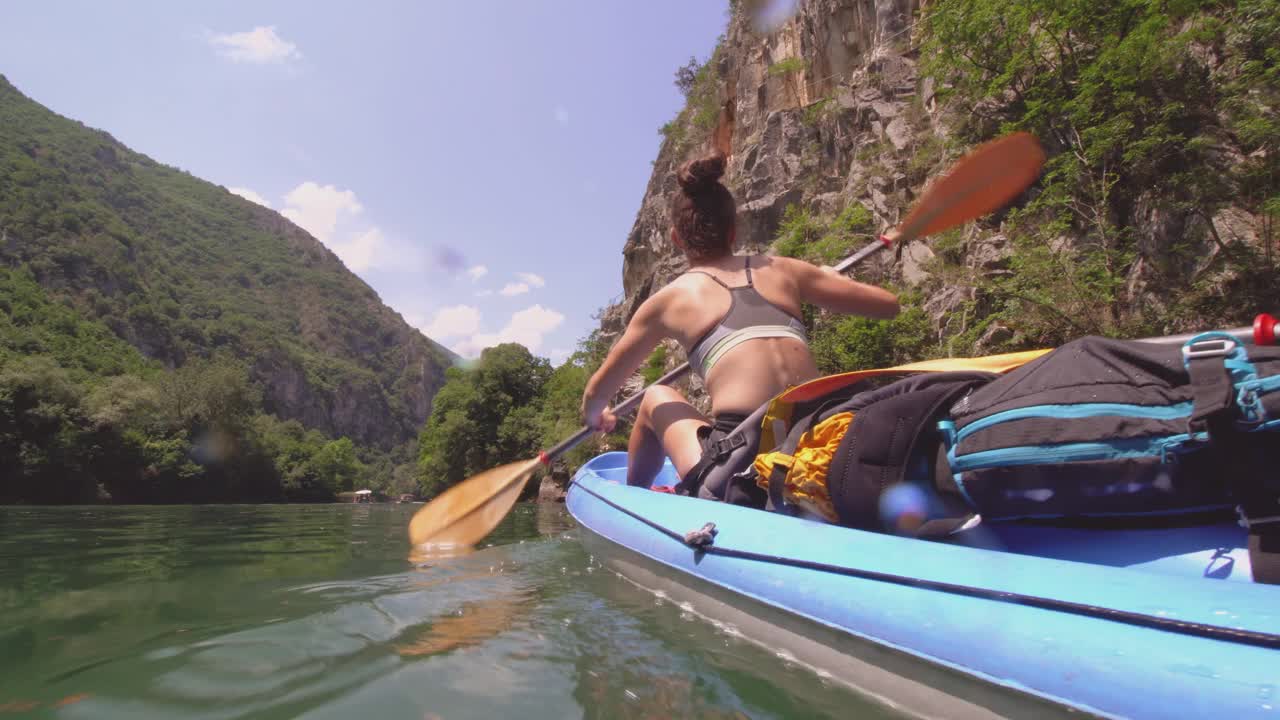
{"x": 666, "y": 426}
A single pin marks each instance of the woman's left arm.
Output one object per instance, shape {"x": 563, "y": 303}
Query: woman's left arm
{"x": 643, "y": 333}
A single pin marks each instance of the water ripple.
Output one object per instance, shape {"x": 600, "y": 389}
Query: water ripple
{"x": 286, "y": 611}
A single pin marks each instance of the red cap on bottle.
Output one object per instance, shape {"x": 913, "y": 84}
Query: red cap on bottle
{"x": 1264, "y": 330}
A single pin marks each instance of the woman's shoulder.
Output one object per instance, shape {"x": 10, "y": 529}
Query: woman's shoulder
{"x": 789, "y": 262}
{"x": 790, "y": 267}
{"x": 663, "y": 297}
{"x": 680, "y": 286}
{"x": 685, "y": 293}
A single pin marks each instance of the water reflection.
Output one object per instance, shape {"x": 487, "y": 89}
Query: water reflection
{"x": 282, "y": 612}
{"x": 471, "y": 624}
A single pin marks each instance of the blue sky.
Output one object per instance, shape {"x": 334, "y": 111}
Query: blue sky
{"x": 478, "y": 163}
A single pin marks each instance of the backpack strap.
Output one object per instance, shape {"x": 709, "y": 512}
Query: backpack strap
{"x": 777, "y": 486}
{"x": 778, "y": 474}
{"x": 712, "y": 476}
{"x": 717, "y": 451}
{"x": 1213, "y": 392}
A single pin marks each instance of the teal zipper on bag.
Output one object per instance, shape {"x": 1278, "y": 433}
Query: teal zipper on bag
{"x": 1067, "y": 452}
{"x": 1077, "y": 411}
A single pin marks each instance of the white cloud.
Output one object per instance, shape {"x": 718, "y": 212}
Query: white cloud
{"x": 531, "y": 279}
{"x": 477, "y": 271}
{"x": 484, "y": 293}
{"x": 362, "y": 252}
{"x": 316, "y": 208}
{"x": 260, "y": 45}
{"x": 557, "y": 356}
{"x": 527, "y": 327}
{"x": 249, "y": 195}
{"x": 333, "y": 216}
{"x": 453, "y": 321}
{"x": 528, "y": 281}
{"x": 562, "y": 116}
{"x": 327, "y": 212}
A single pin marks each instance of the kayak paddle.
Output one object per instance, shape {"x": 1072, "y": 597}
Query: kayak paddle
{"x": 980, "y": 182}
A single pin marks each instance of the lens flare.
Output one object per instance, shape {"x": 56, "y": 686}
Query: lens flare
{"x": 904, "y": 507}
{"x": 767, "y": 16}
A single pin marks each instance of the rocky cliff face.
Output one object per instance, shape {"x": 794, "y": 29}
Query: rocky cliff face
{"x": 832, "y": 109}
{"x": 798, "y": 105}
{"x": 384, "y": 395}
{"x": 815, "y": 113}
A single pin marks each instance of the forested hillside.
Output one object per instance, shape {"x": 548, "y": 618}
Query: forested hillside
{"x": 165, "y": 340}
{"x": 182, "y": 269}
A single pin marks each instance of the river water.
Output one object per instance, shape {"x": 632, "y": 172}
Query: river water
{"x": 317, "y": 611}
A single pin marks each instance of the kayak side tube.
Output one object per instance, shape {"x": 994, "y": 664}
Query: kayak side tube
{"x": 1071, "y": 633}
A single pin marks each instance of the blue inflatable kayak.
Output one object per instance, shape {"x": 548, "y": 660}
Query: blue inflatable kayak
{"x": 1150, "y": 623}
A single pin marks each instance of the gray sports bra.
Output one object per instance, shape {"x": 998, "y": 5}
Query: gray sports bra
{"x": 750, "y": 316}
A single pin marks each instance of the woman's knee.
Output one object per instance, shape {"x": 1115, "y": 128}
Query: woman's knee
{"x": 656, "y": 396}
{"x": 665, "y": 407}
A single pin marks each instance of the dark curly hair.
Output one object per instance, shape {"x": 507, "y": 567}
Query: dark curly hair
{"x": 703, "y": 210}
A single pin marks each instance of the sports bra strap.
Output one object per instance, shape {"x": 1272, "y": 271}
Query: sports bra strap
{"x": 713, "y": 277}
{"x": 745, "y": 264}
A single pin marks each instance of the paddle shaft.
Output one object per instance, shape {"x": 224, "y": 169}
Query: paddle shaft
{"x": 983, "y": 180}
{"x": 626, "y": 406}
{"x": 854, "y": 259}
{"x": 1260, "y": 333}
{"x": 1248, "y": 335}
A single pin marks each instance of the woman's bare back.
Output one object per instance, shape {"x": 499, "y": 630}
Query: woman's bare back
{"x": 755, "y": 371}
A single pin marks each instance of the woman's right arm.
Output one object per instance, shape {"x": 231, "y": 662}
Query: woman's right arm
{"x": 643, "y": 333}
{"x": 829, "y": 290}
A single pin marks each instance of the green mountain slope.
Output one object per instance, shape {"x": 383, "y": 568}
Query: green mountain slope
{"x": 181, "y": 269}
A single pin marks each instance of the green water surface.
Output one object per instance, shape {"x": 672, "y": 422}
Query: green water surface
{"x": 318, "y": 612}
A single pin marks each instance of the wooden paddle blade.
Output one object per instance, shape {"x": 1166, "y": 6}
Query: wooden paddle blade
{"x": 462, "y": 515}
{"x": 981, "y": 181}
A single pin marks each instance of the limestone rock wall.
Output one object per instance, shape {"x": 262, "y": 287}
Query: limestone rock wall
{"x": 795, "y": 136}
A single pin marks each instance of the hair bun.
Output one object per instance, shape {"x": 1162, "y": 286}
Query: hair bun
{"x": 700, "y": 175}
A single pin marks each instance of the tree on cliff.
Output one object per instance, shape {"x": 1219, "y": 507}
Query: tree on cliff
{"x": 1151, "y": 111}
{"x": 687, "y": 76}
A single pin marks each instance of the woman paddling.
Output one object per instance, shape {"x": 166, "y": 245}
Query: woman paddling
{"x": 737, "y": 318}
